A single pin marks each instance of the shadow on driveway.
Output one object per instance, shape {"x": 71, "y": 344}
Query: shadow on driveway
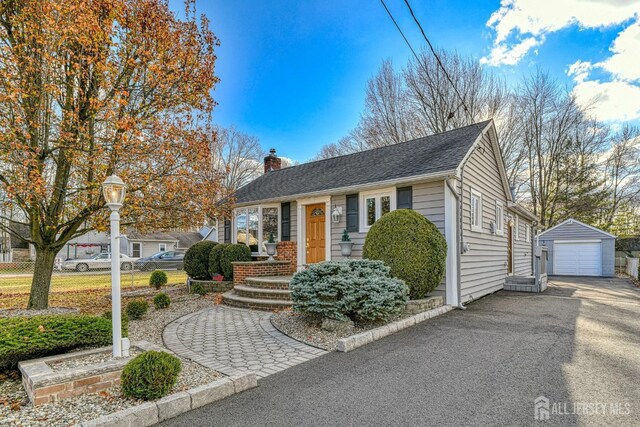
{"x": 482, "y": 366}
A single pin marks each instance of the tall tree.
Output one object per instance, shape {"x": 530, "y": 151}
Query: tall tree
{"x": 92, "y": 88}
{"x": 237, "y": 155}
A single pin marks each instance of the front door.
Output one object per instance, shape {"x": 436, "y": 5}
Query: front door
{"x": 315, "y": 233}
{"x": 509, "y": 249}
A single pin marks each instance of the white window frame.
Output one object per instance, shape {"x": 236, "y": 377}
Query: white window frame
{"x": 527, "y": 233}
{"x": 234, "y": 228}
{"x": 475, "y": 226}
{"x": 162, "y": 247}
{"x": 133, "y": 244}
{"x": 377, "y": 195}
{"x": 499, "y": 218}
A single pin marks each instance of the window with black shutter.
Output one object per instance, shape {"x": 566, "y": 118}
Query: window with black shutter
{"x": 285, "y": 221}
{"x": 227, "y": 231}
{"x": 405, "y": 198}
{"x": 352, "y": 212}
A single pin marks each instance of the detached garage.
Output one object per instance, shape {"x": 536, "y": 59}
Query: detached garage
{"x": 578, "y": 249}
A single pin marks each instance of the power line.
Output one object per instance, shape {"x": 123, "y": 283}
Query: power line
{"x": 435, "y": 54}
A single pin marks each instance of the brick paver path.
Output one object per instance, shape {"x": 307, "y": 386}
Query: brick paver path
{"x": 235, "y": 341}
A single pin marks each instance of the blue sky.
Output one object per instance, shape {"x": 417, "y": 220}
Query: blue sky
{"x": 293, "y": 73}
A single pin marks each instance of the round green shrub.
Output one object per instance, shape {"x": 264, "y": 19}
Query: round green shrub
{"x": 214, "y": 259}
{"x": 196, "y": 260}
{"x": 150, "y": 375}
{"x": 233, "y": 253}
{"x": 158, "y": 279}
{"x": 412, "y": 246}
{"x": 161, "y": 300}
{"x": 198, "y": 289}
{"x": 136, "y": 309}
{"x": 349, "y": 289}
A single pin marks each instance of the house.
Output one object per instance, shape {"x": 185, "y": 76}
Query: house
{"x": 90, "y": 243}
{"x": 579, "y": 249}
{"x": 456, "y": 179}
{"x": 143, "y": 245}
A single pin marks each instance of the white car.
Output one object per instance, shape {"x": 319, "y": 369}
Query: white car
{"x": 97, "y": 262}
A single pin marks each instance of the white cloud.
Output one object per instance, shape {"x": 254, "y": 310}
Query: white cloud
{"x": 517, "y": 21}
{"x": 625, "y": 61}
{"x": 609, "y": 101}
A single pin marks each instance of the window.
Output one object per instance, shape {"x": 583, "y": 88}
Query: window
{"x": 476, "y": 211}
{"x": 253, "y": 226}
{"x": 500, "y": 218}
{"x": 135, "y": 250}
{"x": 162, "y": 247}
{"x": 517, "y": 227}
{"x": 375, "y": 204}
{"x": 527, "y": 232}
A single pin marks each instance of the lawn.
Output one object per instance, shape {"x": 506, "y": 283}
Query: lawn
{"x": 61, "y": 282}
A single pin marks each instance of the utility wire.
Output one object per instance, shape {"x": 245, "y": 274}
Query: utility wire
{"x": 435, "y": 54}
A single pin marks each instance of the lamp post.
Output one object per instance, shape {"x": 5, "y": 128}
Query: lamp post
{"x": 114, "y": 190}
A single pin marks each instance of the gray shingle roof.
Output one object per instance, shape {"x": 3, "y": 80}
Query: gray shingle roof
{"x": 431, "y": 154}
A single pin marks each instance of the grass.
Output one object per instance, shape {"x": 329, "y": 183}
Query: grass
{"x": 61, "y": 282}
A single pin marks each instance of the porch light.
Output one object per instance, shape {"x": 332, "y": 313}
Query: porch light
{"x": 114, "y": 190}
{"x": 336, "y": 214}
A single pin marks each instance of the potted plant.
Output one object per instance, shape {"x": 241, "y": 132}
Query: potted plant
{"x": 271, "y": 247}
{"x": 346, "y": 244}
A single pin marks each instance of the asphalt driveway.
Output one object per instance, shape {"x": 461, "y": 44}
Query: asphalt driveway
{"x": 577, "y": 345}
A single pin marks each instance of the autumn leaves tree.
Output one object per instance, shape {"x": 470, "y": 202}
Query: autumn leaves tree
{"x": 97, "y": 87}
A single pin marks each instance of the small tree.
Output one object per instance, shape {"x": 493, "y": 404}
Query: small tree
{"x": 158, "y": 279}
{"x": 196, "y": 260}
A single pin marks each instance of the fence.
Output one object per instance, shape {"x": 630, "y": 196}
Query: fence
{"x": 632, "y": 267}
{"x": 16, "y": 277}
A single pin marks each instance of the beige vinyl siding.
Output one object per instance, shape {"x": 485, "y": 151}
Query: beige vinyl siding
{"x": 294, "y": 222}
{"x": 484, "y": 267}
{"x": 522, "y": 255}
{"x": 428, "y": 200}
{"x": 221, "y": 231}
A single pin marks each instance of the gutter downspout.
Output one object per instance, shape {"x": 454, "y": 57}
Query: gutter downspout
{"x": 461, "y": 242}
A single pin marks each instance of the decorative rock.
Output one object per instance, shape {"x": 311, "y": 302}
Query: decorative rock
{"x": 335, "y": 325}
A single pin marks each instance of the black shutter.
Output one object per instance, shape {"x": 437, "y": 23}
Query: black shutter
{"x": 285, "y": 221}
{"x": 352, "y": 212}
{"x": 227, "y": 231}
{"x": 405, "y": 198}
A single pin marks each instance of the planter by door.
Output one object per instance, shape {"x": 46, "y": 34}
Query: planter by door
{"x": 271, "y": 250}
{"x": 315, "y": 233}
{"x": 345, "y": 249}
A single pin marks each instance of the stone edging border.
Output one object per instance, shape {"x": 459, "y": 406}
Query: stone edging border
{"x": 363, "y": 338}
{"x": 150, "y": 413}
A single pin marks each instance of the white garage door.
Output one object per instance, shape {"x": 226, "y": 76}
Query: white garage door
{"x": 577, "y": 259}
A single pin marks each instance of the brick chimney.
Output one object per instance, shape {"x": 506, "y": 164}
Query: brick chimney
{"x": 272, "y": 162}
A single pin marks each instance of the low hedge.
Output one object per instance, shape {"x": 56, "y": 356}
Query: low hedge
{"x": 25, "y": 338}
{"x": 150, "y": 375}
{"x": 196, "y": 260}
{"x": 233, "y": 253}
{"x": 349, "y": 289}
{"x": 214, "y": 259}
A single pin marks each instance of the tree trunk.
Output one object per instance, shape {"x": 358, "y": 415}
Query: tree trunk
{"x": 43, "y": 269}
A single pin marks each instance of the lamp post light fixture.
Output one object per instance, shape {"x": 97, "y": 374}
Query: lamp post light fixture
{"x": 114, "y": 190}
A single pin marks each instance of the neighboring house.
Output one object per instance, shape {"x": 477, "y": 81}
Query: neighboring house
{"x": 456, "y": 179}
{"x": 89, "y": 244}
{"x": 578, "y": 249}
{"x": 209, "y": 233}
{"x": 144, "y": 245}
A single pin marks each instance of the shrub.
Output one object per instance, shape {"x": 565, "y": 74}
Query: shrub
{"x": 198, "y": 289}
{"x": 196, "y": 260}
{"x": 158, "y": 278}
{"x": 161, "y": 300}
{"x": 136, "y": 309}
{"x": 354, "y": 289}
{"x": 233, "y": 253}
{"x": 150, "y": 375}
{"x": 214, "y": 259}
{"x": 24, "y": 338}
{"x": 412, "y": 246}
{"x": 124, "y": 321}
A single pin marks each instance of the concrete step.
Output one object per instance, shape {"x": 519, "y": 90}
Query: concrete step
{"x": 521, "y": 280}
{"x": 234, "y": 300}
{"x": 271, "y": 282}
{"x": 262, "y": 293}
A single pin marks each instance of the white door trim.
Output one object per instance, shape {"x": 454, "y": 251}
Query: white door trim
{"x": 302, "y": 227}
{"x": 451, "y": 236}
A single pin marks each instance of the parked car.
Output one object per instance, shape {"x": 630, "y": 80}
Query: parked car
{"x": 97, "y": 262}
{"x": 161, "y": 260}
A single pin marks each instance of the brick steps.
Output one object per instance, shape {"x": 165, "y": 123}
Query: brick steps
{"x": 260, "y": 293}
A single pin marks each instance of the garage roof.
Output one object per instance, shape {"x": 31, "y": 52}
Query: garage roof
{"x": 572, "y": 221}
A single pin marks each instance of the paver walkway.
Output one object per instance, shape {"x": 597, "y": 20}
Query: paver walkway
{"x": 235, "y": 341}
